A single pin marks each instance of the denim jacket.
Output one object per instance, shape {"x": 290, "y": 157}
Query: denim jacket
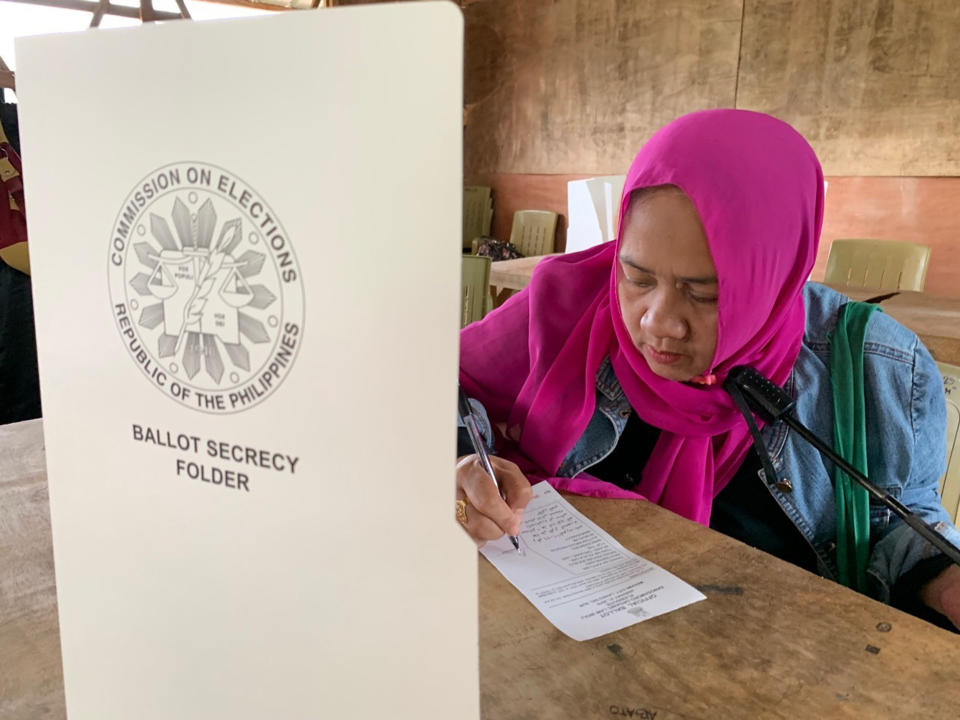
{"x": 906, "y": 431}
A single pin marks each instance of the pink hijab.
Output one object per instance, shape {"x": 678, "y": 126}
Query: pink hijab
{"x": 758, "y": 188}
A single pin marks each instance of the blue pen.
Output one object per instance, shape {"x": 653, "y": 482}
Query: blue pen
{"x": 476, "y": 439}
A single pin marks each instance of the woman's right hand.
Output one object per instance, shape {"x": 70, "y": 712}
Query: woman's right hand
{"x": 488, "y": 517}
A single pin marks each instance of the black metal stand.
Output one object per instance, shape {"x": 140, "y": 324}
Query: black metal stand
{"x": 911, "y": 519}
{"x": 772, "y": 403}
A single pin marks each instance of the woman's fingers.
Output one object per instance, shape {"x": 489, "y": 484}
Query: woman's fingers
{"x": 487, "y": 516}
{"x": 514, "y": 483}
{"x": 482, "y": 496}
{"x": 478, "y": 526}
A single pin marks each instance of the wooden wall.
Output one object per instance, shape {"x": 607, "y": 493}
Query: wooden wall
{"x": 576, "y": 86}
{"x": 874, "y": 85}
{"x": 563, "y": 89}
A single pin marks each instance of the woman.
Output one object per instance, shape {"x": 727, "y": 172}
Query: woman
{"x": 605, "y": 375}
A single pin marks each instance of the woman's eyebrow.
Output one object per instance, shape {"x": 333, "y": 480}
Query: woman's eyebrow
{"x": 706, "y": 280}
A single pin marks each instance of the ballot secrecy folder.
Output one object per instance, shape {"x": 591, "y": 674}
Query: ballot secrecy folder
{"x": 245, "y": 239}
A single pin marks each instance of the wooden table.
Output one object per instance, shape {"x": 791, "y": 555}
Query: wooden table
{"x": 935, "y": 319}
{"x": 508, "y": 276}
{"x": 771, "y": 641}
{"x": 514, "y": 274}
{"x": 31, "y": 678}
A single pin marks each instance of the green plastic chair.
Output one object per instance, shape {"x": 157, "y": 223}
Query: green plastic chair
{"x": 474, "y": 288}
{"x": 879, "y": 264}
{"x": 950, "y": 482}
{"x": 477, "y": 212}
{"x": 533, "y": 231}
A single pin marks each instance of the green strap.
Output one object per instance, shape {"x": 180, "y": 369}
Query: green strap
{"x": 850, "y": 442}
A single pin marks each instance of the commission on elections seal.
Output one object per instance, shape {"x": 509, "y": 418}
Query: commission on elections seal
{"x": 205, "y": 288}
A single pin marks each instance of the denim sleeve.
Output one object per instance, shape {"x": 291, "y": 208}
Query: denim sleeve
{"x": 483, "y": 421}
{"x": 900, "y": 548}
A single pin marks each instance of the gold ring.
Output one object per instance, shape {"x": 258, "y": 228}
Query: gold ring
{"x": 462, "y": 511}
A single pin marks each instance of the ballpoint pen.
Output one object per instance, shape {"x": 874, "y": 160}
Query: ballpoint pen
{"x": 476, "y": 439}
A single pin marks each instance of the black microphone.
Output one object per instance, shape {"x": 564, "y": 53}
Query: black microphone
{"x": 751, "y": 390}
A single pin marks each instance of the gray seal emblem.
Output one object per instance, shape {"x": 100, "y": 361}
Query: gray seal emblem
{"x": 205, "y": 288}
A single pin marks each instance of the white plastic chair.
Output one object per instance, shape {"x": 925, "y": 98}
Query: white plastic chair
{"x": 879, "y": 264}
{"x": 477, "y": 212}
{"x": 474, "y": 288}
{"x": 533, "y": 231}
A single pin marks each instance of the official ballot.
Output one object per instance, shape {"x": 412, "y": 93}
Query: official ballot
{"x": 246, "y": 260}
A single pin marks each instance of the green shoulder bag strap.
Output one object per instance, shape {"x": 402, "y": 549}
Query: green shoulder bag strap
{"x": 850, "y": 441}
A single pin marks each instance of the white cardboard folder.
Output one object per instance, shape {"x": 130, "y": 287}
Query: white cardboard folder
{"x": 245, "y": 248}
{"x": 593, "y": 208}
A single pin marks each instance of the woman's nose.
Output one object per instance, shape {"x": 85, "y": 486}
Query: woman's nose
{"x": 663, "y": 317}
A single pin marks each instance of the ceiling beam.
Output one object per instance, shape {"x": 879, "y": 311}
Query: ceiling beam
{"x": 89, "y": 6}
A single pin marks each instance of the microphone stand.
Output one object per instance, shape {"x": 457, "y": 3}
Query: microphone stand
{"x": 771, "y": 403}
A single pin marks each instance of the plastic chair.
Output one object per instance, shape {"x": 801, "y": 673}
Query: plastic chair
{"x": 880, "y": 264}
{"x": 477, "y": 212}
{"x": 533, "y": 231}
{"x": 474, "y": 288}
{"x": 950, "y": 482}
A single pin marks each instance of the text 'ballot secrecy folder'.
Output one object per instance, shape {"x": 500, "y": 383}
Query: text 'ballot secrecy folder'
{"x": 245, "y": 245}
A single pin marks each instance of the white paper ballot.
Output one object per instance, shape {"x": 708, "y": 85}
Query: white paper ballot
{"x": 581, "y": 579}
{"x": 245, "y": 238}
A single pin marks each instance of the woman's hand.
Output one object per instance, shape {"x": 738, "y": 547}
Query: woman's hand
{"x": 943, "y": 594}
{"x": 486, "y": 516}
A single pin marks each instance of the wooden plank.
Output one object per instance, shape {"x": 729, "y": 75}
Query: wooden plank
{"x": 925, "y": 314}
{"x": 509, "y": 276}
{"x": 943, "y": 349}
{"x": 579, "y": 85}
{"x": 874, "y": 85}
{"x": 31, "y": 677}
{"x": 513, "y": 274}
{"x": 935, "y": 319}
{"x": 771, "y": 641}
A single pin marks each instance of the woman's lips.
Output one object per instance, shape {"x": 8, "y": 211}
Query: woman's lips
{"x": 661, "y": 358}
